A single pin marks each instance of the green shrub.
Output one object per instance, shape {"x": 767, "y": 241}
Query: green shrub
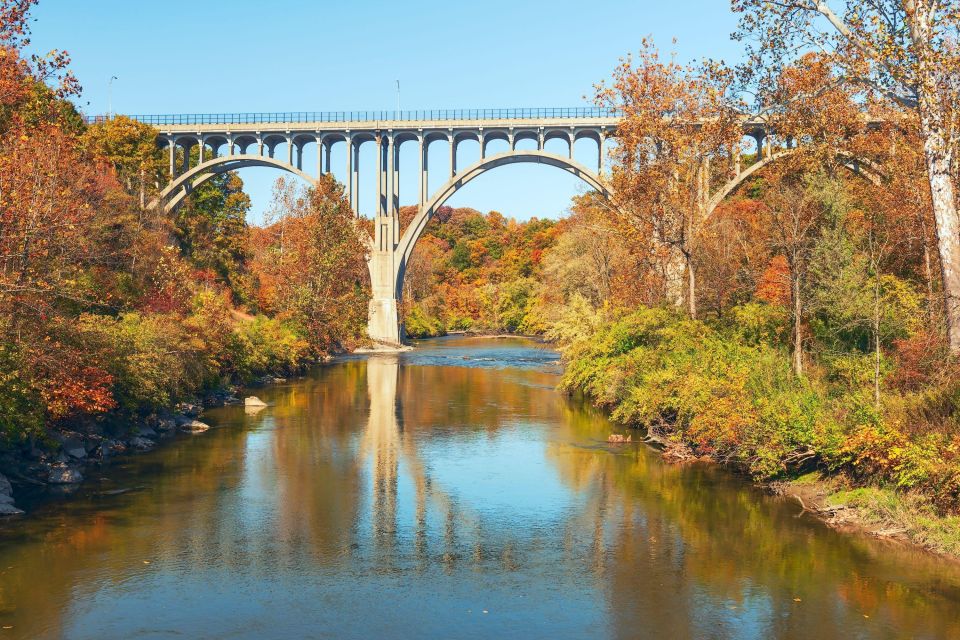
{"x": 266, "y": 346}
{"x": 418, "y": 323}
{"x": 155, "y": 359}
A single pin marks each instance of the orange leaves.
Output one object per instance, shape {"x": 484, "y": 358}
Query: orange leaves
{"x": 774, "y": 284}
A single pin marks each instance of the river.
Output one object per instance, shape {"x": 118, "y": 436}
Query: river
{"x": 447, "y": 492}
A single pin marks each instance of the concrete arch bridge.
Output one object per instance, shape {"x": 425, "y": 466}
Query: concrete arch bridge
{"x": 227, "y": 142}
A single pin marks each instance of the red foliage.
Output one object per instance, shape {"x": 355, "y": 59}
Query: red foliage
{"x": 774, "y": 285}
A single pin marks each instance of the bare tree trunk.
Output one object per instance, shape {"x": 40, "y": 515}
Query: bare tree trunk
{"x": 673, "y": 274}
{"x": 797, "y": 322}
{"x": 938, "y": 151}
{"x": 928, "y": 275}
{"x": 691, "y": 288}
{"x": 876, "y": 342}
{"x": 948, "y": 239}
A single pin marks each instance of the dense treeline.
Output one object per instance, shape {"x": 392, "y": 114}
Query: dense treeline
{"x": 110, "y": 309}
{"x": 475, "y": 272}
{"x": 808, "y": 323}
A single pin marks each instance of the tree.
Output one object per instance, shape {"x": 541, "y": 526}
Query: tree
{"x": 901, "y": 51}
{"x": 211, "y": 227}
{"x": 795, "y": 212}
{"x": 674, "y": 119}
{"x": 131, "y": 147}
{"x": 312, "y": 256}
{"x": 590, "y": 255}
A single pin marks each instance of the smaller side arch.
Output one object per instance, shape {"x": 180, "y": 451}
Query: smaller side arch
{"x": 172, "y": 196}
{"x": 861, "y": 166}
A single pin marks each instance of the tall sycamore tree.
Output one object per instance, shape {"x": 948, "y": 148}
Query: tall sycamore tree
{"x": 675, "y": 119}
{"x": 904, "y": 52}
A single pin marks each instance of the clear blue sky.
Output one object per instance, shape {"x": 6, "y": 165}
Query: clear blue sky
{"x": 180, "y": 56}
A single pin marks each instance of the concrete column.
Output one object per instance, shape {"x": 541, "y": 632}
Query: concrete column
{"x": 260, "y": 147}
{"x": 571, "y": 140}
{"x": 349, "y": 177}
{"x": 510, "y": 140}
{"x": 201, "y": 150}
{"x": 483, "y": 146}
{"x": 453, "y": 154}
{"x": 319, "y": 157}
{"x": 423, "y": 171}
{"x": 173, "y": 157}
{"x": 327, "y": 151}
{"x": 758, "y": 136}
{"x": 599, "y": 153}
{"x": 355, "y": 178}
{"x": 383, "y": 313}
{"x": 381, "y": 178}
{"x": 300, "y": 157}
{"x": 390, "y": 181}
{"x": 540, "y": 140}
{"x": 289, "y": 150}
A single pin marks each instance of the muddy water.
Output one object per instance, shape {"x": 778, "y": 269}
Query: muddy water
{"x": 449, "y": 492}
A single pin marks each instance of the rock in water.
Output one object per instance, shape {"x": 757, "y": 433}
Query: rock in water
{"x": 253, "y": 401}
{"x": 141, "y": 444}
{"x": 617, "y": 438}
{"x": 64, "y": 475}
{"x": 9, "y": 510}
{"x": 146, "y": 432}
{"x": 194, "y": 426}
{"x": 77, "y": 452}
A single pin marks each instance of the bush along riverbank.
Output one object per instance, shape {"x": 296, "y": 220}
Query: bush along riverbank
{"x": 724, "y": 390}
{"x": 158, "y": 372}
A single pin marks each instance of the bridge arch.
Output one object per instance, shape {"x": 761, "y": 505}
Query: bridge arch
{"x": 416, "y": 227}
{"x": 861, "y": 166}
{"x": 173, "y": 195}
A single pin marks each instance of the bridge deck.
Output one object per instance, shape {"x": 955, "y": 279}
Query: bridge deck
{"x": 384, "y": 125}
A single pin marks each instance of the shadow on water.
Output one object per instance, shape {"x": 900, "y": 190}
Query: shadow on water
{"x": 446, "y": 492}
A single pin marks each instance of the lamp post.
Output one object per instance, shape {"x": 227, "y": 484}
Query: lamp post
{"x": 110, "y": 97}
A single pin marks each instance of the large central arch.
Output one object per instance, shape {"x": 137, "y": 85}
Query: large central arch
{"x": 416, "y": 227}
{"x": 173, "y": 195}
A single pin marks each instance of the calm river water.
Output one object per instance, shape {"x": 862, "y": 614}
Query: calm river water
{"x": 449, "y": 492}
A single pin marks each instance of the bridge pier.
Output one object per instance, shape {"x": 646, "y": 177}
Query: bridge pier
{"x": 384, "y": 324}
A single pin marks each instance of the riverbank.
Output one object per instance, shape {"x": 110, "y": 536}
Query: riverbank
{"x": 719, "y": 394}
{"x": 874, "y": 511}
{"x": 62, "y": 459}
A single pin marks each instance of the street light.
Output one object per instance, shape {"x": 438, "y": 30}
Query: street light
{"x": 110, "y": 97}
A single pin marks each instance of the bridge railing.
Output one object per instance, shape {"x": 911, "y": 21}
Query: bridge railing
{"x": 368, "y": 116}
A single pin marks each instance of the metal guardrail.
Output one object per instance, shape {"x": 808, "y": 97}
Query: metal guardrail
{"x": 367, "y": 116}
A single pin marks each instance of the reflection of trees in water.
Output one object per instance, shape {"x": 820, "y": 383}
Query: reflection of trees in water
{"x": 676, "y": 551}
{"x": 677, "y": 544}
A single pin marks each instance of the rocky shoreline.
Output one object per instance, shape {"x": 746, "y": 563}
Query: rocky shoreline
{"x": 61, "y": 463}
